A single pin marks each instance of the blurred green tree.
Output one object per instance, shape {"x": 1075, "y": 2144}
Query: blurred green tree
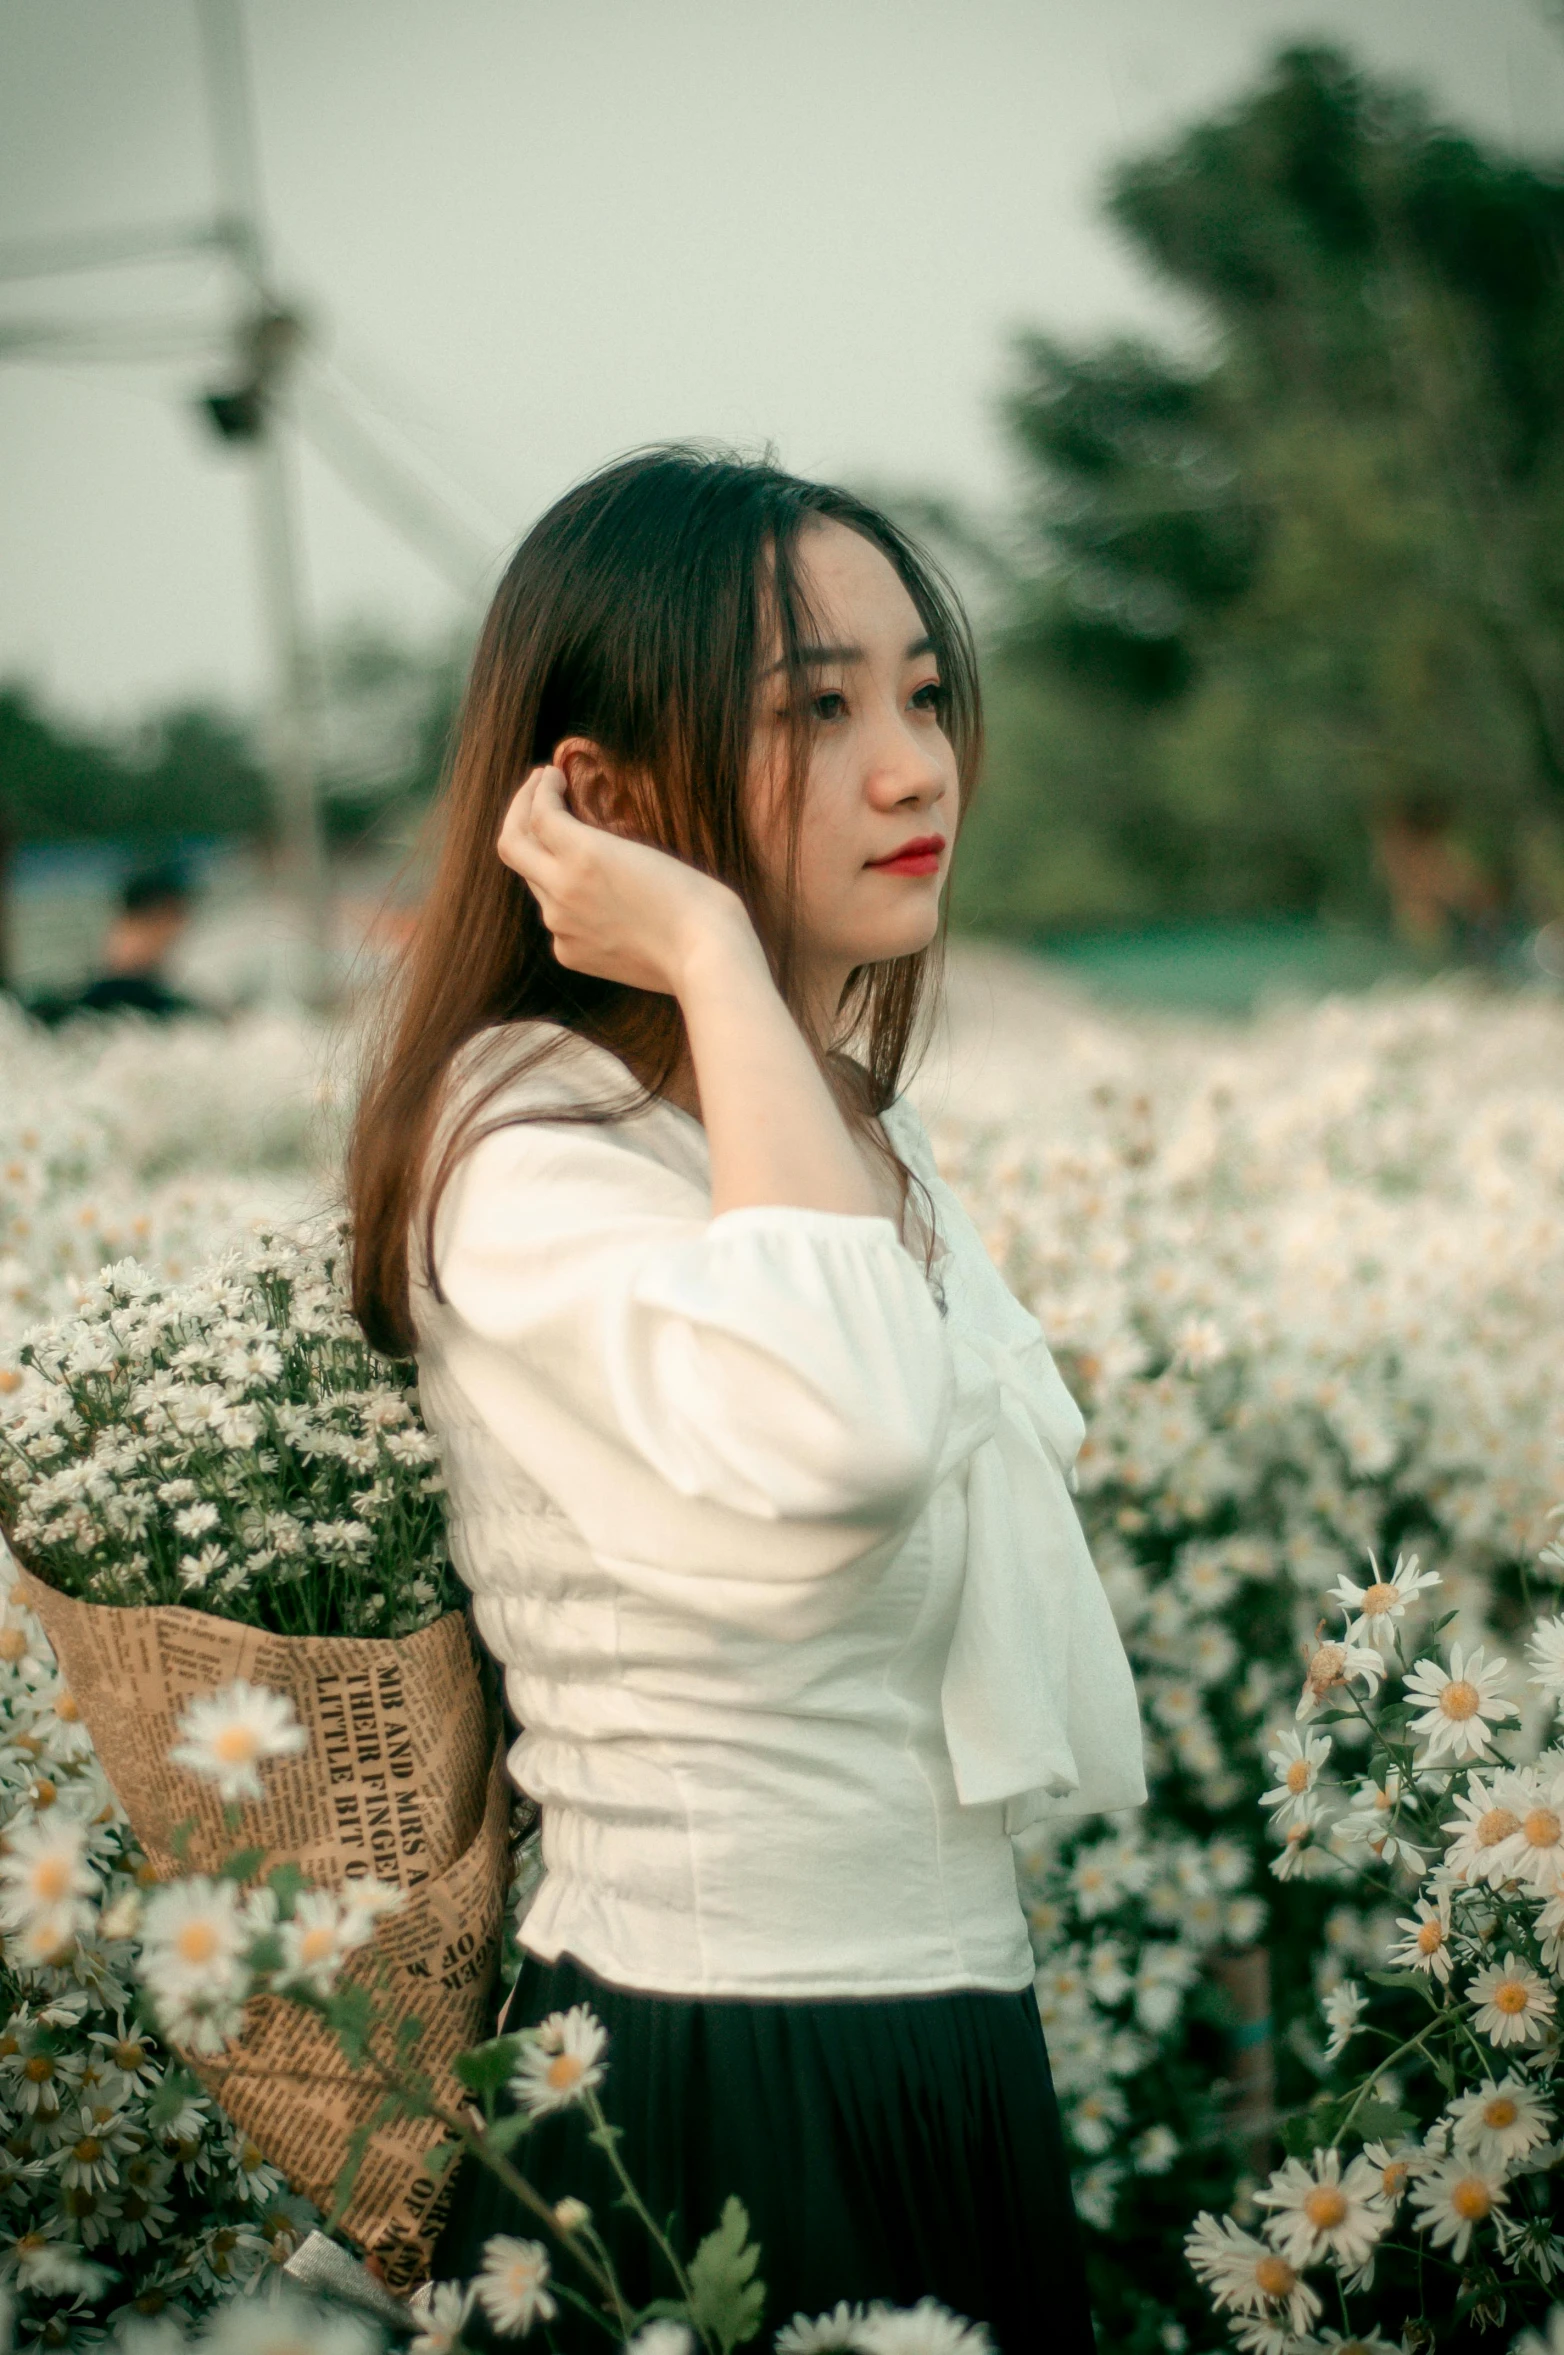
{"x": 1269, "y": 604}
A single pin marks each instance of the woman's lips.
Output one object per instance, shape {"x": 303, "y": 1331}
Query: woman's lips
{"x": 916, "y": 862}
{"x": 919, "y": 858}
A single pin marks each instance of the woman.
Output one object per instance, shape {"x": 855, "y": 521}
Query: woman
{"x": 757, "y": 1471}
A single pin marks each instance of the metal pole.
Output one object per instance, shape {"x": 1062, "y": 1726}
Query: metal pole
{"x": 290, "y": 745}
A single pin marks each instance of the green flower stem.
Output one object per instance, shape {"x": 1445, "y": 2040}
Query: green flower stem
{"x": 607, "y": 2139}
{"x": 602, "y": 2275}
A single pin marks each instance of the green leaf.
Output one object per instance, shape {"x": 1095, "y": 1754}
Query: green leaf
{"x": 489, "y": 2066}
{"x": 351, "y": 2012}
{"x": 358, "y": 2144}
{"x": 1379, "y": 2121}
{"x": 242, "y": 1865}
{"x": 501, "y": 2138}
{"x": 285, "y": 1882}
{"x": 1417, "y": 1979}
{"x": 177, "y": 2088}
{"x": 265, "y": 1954}
{"x": 725, "y": 2298}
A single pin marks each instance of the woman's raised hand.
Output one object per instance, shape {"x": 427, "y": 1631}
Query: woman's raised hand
{"x": 619, "y": 909}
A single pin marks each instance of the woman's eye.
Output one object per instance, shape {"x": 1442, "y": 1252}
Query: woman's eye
{"x": 930, "y": 698}
{"x": 828, "y": 705}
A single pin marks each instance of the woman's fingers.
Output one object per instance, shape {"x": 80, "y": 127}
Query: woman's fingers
{"x": 519, "y": 842}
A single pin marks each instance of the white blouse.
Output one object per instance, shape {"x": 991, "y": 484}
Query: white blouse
{"x": 774, "y": 1543}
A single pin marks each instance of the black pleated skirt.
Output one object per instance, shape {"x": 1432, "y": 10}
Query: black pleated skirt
{"x": 893, "y": 2148}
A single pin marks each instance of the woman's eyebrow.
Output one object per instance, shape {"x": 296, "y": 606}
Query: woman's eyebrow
{"x": 822, "y": 655}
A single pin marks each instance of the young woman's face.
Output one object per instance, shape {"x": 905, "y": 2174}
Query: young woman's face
{"x": 882, "y": 773}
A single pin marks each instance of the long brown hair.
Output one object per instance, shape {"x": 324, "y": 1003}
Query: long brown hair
{"x": 638, "y": 613}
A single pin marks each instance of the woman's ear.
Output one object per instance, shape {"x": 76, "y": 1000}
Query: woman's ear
{"x": 596, "y": 789}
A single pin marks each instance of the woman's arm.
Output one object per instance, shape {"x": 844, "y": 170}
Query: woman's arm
{"x": 638, "y": 915}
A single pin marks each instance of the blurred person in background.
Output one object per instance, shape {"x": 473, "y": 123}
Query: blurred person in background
{"x": 154, "y": 913}
{"x": 1444, "y": 902}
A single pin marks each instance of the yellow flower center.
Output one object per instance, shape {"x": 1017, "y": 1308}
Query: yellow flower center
{"x": 39, "y": 2069}
{"x": 564, "y": 2071}
{"x": 88, "y": 2149}
{"x": 44, "y": 1792}
{"x": 1325, "y": 1669}
{"x": 66, "y": 1709}
{"x": 1430, "y": 1938}
{"x": 1392, "y": 2176}
{"x": 1380, "y": 1598}
{"x": 1511, "y": 1996}
{"x": 1274, "y": 2277}
{"x": 317, "y": 1944}
{"x": 1542, "y": 1828}
{"x": 1471, "y": 2199}
{"x": 1460, "y": 1699}
{"x": 1500, "y": 2112}
{"x": 51, "y": 1879}
{"x": 235, "y": 1745}
{"x": 128, "y": 2053}
{"x": 1298, "y": 1775}
{"x": 1325, "y": 2207}
{"x": 13, "y": 1644}
{"x": 1497, "y": 1825}
{"x": 196, "y": 1942}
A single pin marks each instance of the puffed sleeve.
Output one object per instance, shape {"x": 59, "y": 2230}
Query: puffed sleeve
{"x": 786, "y": 1365}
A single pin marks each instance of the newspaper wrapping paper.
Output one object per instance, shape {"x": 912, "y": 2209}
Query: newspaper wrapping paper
{"x": 403, "y": 1779}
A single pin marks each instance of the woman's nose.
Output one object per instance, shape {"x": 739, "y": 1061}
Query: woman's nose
{"x": 903, "y": 765}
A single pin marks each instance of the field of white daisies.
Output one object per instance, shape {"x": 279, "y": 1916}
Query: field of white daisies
{"x": 1304, "y": 1278}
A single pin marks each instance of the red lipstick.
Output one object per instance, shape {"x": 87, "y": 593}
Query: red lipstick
{"x": 920, "y": 856}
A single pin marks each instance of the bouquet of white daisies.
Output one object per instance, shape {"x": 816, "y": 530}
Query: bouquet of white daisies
{"x": 218, "y": 1495}
{"x": 231, "y": 1444}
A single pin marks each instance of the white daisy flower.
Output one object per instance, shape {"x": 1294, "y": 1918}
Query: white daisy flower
{"x": 1455, "y": 2197}
{"x": 1374, "y": 1611}
{"x": 194, "y": 1935}
{"x": 1155, "y": 2151}
{"x": 1343, "y": 2008}
{"x": 1545, "y": 1653}
{"x": 364, "y": 1901}
{"x": 54, "y": 2268}
{"x": 1499, "y": 2122}
{"x": 46, "y": 1882}
{"x": 1460, "y": 1704}
{"x": 284, "y": 2326}
{"x": 1333, "y": 1665}
{"x": 1532, "y": 2342}
{"x": 661, "y": 2338}
{"x": 1295, "y": 1760}
{"x": 925, "y": 2329}
{"x": 316, "y": 1942}
{"x": 1244, "y": 2276}
{"x": 561, "y": 2061}
{"x": 1372, "y": 1822}
{"x": 512, "y": 2285}
{"x": 1481, "y": 1833}
{"x": 226, "y": 1737}
{"x": 1536, "y": 1849}
{"x": 821, "y": 2334}
{"x": 1426, "y": 1946}
{"x": 1303, "y": 1856}
{"x": 440, "y": 2313}
{"x": 1513, "y": 2004}
{"x": 1392, "y": 2162}
{"x": 1319, "y": 2213}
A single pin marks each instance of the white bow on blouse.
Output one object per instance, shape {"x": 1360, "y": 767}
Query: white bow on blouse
{"x": 1038, "y": 1700}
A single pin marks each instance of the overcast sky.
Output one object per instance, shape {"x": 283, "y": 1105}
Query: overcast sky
{"x": 532, "y": 233}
